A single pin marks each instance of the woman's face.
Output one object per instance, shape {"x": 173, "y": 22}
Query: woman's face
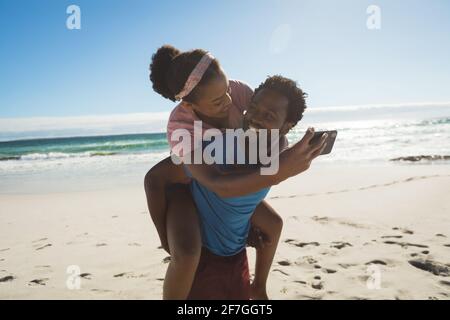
{"x": 213, "y": 99}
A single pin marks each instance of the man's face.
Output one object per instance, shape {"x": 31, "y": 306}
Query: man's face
{"x": 268, "y": 110}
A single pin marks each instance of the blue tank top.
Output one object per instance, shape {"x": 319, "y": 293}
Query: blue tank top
{"x": 224, "y": 222}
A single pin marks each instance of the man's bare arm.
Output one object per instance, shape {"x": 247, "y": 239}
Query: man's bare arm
{"x": 293, "y": 161}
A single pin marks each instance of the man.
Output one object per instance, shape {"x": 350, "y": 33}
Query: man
{"x": 222, "y": 272}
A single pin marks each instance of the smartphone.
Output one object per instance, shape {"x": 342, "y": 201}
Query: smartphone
{"x": 332, "y": 134}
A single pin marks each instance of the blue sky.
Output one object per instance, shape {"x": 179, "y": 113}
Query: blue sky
{"x": 48, "y": 70}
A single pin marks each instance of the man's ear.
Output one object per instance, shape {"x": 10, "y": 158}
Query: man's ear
{"x": 286, "y": 127}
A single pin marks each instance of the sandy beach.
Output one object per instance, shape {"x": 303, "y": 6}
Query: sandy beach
{"x": 93, "y": 94}
{"x": 350, "y": 232}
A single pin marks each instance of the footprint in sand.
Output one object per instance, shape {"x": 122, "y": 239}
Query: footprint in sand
{"x": 40, "y": 282}
{"x": 318, "y": 285}
{"x": 436, "y": 268}
{"x": 343, "y": 222}
{"x": 339, "y": 244}
{"x": 134, "y": 244}
{"x": 37, "y": 244}
{"x": 320, "y": 219}
{"x": 406, "y": 244}
{"x": 444, "y": 282}
{"x": 130, "y": 275}
{"x": 310, "y": 260}
{"x": 120, "y": 275}
{"x": 86, "y": 276}
{"x": 352, "y": 224}
{"x": 403, "y": 230}
{"x": 301, "y": 244}
{"x": 284, "y": 263}
{"x": 166, "y": 259}
{"x": 7, "y": 278}
{"x": 114, "y": 217}
{"x": 44, "y": 246}
{"x": 381, "y": 262}
{"x": 101, "y": 290}
{"x": 280, "y": 271}
{"x": 308, "y": 297}
{"x": 327, "y": 270}
{"x": 389, "y": 237}
{"x": 101, "y": 245}
{"x": 441, "y": 235}
{"x": 3, "y": 250}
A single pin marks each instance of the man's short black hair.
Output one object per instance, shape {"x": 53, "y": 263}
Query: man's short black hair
{"x": 291, "y": 91}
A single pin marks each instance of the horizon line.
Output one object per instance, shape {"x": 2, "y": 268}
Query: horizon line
{"x": 32, "y": 128}
{"x": 320, "y": 108}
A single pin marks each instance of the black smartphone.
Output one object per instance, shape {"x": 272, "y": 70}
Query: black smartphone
{"x": 332, "y": 134}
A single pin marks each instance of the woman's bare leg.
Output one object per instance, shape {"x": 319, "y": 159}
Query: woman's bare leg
{"x": 270, "y": 224}
{"x": 184, "y": 240}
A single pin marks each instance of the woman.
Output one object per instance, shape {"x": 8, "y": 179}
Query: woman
{"x": 206, "y": 94}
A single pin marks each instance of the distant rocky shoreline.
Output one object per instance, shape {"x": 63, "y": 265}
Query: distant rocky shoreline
{"x": 421, "y": 157}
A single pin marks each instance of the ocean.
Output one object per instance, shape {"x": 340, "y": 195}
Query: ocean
{"x": 366, "y": 135}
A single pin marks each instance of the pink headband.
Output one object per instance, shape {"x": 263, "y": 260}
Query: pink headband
{"x": 195, "y": 76}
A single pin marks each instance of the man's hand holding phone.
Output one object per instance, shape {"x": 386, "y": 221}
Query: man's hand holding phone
{"x": 298, "y": 157}
{"x": 331, "y": 137}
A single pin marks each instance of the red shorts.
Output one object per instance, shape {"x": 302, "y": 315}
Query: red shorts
{"x": 221, "y": 278}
